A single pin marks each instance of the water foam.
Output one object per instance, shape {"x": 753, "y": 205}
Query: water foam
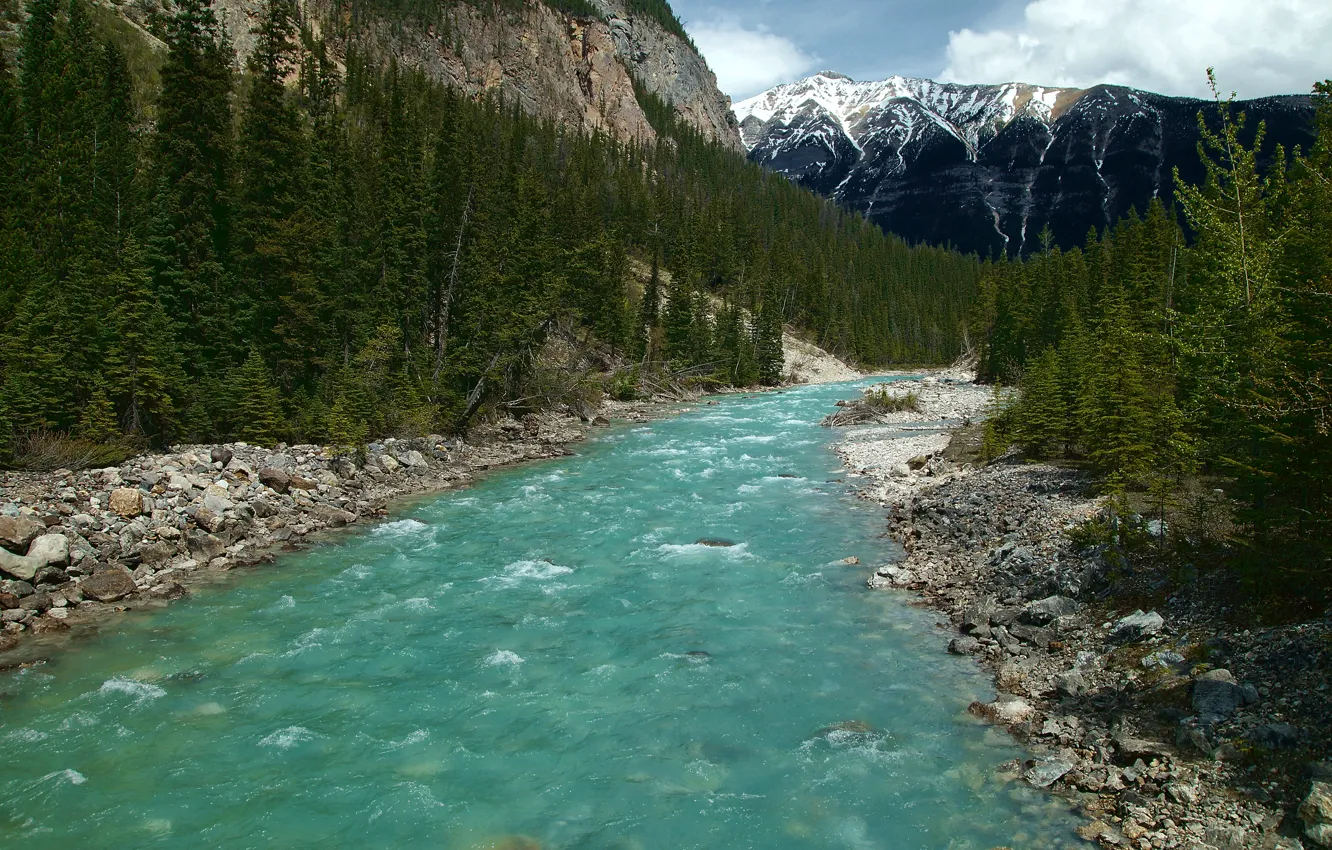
{"x": 141, "y": 691}
{"x": 285, "y": 739}
{"x": 400, "y": 528}
{"x": 504, "y": 658}
{"x": 522, "y": 571}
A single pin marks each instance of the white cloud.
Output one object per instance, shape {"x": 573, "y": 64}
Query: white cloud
{"x": 1259, "y": 47}
{"x": 747, "y": 61}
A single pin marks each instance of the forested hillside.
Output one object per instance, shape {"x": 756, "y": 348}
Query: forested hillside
{"x": 1172, "y": 368}
{"x": 331, "y": 251}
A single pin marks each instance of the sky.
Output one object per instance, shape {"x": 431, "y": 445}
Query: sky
{"x": 1258, "y": 47}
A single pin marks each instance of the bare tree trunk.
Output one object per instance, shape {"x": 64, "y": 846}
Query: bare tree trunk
{"x": 446, "y": 302}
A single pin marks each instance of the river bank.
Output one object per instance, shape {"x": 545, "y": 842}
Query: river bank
{"x": 79, "y": 548}
{"x": 1171, "y": 727}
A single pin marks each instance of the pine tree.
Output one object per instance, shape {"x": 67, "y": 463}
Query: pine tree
{"x": 256, "y": 407}
{"x": 768, "y": 339}
{"x": 97, "y": 422}
{"x": 190, "y": 229}
{"x": 1041, "y": 417}
{"x": 143, "y": 370}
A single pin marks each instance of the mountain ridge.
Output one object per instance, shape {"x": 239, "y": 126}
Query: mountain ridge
{"x": 986, "y": 168}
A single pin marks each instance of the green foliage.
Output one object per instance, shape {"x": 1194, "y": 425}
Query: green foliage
{"x": 883, "y": 400}
{"x": 319, "y": 251}
{"x": 1153, "y": 362}
{"x": 255, "y": 408}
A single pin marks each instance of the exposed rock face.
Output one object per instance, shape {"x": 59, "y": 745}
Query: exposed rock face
{"x": 574, "y": 70}
{"x": 987, "y": 168}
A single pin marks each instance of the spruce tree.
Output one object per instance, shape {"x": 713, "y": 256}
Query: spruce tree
{"x": 256, "y": 407}
{"x": 768, "y": 338}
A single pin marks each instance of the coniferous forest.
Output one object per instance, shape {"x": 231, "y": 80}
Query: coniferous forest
{"x": 310, "y": 250}
{"x": 1186, "y": 353}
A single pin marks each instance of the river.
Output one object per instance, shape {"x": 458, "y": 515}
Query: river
{"x": 549, "y": 659}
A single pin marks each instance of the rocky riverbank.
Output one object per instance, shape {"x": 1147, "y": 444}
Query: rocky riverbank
{"x": 1143, "y": 699}
{"x": 78, "y": 547}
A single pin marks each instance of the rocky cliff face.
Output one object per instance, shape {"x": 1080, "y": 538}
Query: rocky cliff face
{"x": 987, "y": 168}
{"x": 576, "y": 70}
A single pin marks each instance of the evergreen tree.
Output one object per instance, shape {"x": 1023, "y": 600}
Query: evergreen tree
{"x": 256, "y": 407}
{"x": 144, "y": 370}
{"x": 768, "y": 339}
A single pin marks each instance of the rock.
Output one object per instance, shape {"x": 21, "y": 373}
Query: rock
{"x": 18, "y": 566}
{"x": 18, "y": 532}
{"x": 275, "y": 479}
{"x": 1136, "y": 626}
{"x": 127, "y": 502}
{"x": 18, "y": 588}
{"x": 1046, "y": 772}
{"x": 263, "y": 508}
{"x": 50, "y": 550}
{"x": 896, "y": 576}
{"x": 413, "y": 459}
{"x": 977, "y": 616}
{"x": 1070, "y": 684}
{"x": 8, "y": 602}
{"x": 156, "y": 553}
{"x": 222, "y": 455}
{"x": 1162, "y": 659}
{"x": 39, "y": 602}
{"x": 298, "y": 483}
{"x": 1216, "y": 695}
{"x": 335, "y": 517}
{"x": 1045, "y": 611}
{"x": 964, "y": 645}
{"x": 1030, "y": 634}
{"x": 715, "y": 542}
{"x": 204, "y": 547}
{"x": 109, "y": 585}
{"x": 1131, "y": 748}
{"x": 917, "y": 462}
{"x": 216, "y": 500}
{"x": 208, "y": 520}
{"x": 48, "y": 625}
{"x": 1276, "y": 736}
{"x": 1184, "y": 793}
{"x": 1006, "y": 710}
{"x": 1316, "y": 812}
{"x": 50, "y": 574}
{"x": 169, "y": 590}
{"x": 852, "y": 561}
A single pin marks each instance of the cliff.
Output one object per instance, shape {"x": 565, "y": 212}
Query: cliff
{"x": 577, "y": 69}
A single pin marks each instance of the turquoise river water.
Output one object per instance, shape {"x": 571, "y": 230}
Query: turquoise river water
{"x": 547, "y": 660}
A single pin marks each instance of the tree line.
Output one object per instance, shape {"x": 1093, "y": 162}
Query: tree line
{"x": 1174, "y": 350}
{"x": 325, "y": 249}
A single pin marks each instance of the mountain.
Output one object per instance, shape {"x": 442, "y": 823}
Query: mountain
{"x": 986, "y": 168}
{"x": 576, "y": 61}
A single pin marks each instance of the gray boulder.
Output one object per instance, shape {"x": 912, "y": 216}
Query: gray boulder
{"x": 1047, "y": 772}
{"x": 1276, "y": 736}
{"x": 1136, "y": 626}
{"x": 964, "y": 645}
{"x": 1045, "y": 611}
{"x": 1217, "y": 695}
{"x": 977, "y": 616}
{"x": 1070, "y": 684}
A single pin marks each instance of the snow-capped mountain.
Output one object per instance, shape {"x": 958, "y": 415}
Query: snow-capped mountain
{"x": 986, "y": 167}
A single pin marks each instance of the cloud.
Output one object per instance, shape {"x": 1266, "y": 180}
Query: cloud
{"x": 1258, "y": 47}
{"x": 747, "y": 61}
